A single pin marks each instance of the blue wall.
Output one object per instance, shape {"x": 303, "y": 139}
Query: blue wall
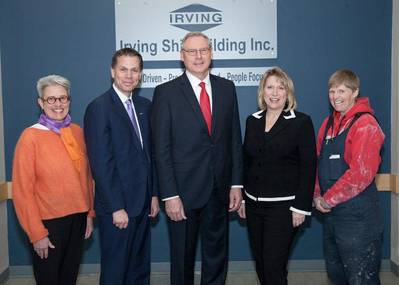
{"x": 77, "y": 39}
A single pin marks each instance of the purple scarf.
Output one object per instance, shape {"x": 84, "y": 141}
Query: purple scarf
{"x": 55, "y": 126}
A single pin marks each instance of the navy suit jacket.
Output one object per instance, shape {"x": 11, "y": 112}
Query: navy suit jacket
{"x": 190, "y": 162}
{"x": 121, "y": 168}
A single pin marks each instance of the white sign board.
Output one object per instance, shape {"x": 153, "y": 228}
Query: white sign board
{"x": 241, "y": 76}
{"x": 237, "y": 29}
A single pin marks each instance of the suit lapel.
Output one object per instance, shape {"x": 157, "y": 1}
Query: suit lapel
{"x": 122, "y": 113}
{"x": 192, "y": 99}
{"x": 216, "y": 103}
{"x": 141, "y": 117}
{"x": 259, "y": 126}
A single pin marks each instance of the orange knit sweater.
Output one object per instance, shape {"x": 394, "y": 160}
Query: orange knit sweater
{"x": 45, "y": 183}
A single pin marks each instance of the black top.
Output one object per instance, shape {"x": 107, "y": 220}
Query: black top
{"x": 282, "y": 162}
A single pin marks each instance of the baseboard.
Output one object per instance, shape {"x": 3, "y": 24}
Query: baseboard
{"x": 4, "y": 276}
{"x": 315, "y": 265}
{"x": 395, "y": 268}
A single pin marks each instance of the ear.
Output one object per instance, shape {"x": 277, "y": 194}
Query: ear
{"x": 40, "y": 102}
{"x": 140, "y": 76}
{"x": 181, "y": 55}
{"x": 112, "y": 73}
{"x": 356, "y": 93}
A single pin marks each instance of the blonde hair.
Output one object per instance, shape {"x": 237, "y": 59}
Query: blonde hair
{"x": 287, "y": 83}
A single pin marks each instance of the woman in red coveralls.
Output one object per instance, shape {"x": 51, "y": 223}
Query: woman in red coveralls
{"x": 348, "y": 146}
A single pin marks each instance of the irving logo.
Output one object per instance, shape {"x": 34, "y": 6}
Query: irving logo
{"x": 195, "y": 18}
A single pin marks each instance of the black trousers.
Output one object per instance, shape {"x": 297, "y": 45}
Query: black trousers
{"x": 61, "y": 267}
{"x": 270, "y": 234}
{"x": 212, "y": 223}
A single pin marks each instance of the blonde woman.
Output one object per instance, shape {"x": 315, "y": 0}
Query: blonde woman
{"x": 279, "y": 175}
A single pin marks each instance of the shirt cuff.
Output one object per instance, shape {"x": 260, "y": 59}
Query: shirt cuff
{"x": 170, "y": 198}
{"x": 300, "y": 211}
{"x": 237, "y": 186}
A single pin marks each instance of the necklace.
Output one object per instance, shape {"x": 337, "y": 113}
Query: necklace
{"x": 270, "y": 121}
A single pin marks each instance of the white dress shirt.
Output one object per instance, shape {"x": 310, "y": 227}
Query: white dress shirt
{"x": 195, "y": 81}
{"x": 124, "y": 98}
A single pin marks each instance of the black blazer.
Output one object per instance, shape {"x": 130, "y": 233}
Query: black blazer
{"x": 190, "y": 162}
{"x": 121, "y": 168}
{"x": 281, "y": 162}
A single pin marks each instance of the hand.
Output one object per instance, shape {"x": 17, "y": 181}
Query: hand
{"x": 120, "y": 219}
{"x": 297, "y": 219}
{"x": 174, "y": 209}
{"x": 154, "y": 207}
{"x": 241, "y": 211}
{"x": 235, "y": 199}
{"x": 321, "y": 205}
{"x": 89, "y": 227}
{"x": 41, "y": 247}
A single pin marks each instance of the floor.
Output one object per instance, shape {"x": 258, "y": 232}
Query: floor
{"x": 294, "y": 278}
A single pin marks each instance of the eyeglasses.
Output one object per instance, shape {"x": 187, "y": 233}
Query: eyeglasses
{"x": 194, "y": 52}
{"x": 51, "y": 100}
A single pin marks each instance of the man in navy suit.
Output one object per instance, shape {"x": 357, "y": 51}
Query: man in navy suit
{"x": 197, "y": 143}
{"x": 118, "y": 139}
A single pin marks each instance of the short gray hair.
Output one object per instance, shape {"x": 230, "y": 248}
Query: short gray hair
{"x": 195, "y": 34}
{"x": 51, "y": 80}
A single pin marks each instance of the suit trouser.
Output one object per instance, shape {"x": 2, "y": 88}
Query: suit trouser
{"x": 125, "y": 253}
{"x": 270, "y": 234}
{"x": 212, "y": 223}
{"x": 62, "y": 265}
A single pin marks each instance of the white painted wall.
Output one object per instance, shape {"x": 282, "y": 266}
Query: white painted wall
{"x": 4, "y": 260}
{"x": 395, "y": 132}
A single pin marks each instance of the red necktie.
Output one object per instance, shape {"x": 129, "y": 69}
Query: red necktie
{"x": 205, "y": 107}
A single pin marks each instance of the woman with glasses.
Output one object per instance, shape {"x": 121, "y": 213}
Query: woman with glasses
{"x": 52, "y": 186}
